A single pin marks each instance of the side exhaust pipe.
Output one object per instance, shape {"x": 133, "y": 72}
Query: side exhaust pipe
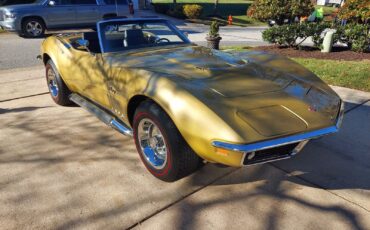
{"x": 102, "y": 115}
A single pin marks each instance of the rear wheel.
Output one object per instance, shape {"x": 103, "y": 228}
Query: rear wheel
{"x": 58, "y": 90}
{"x": 33, "y": 28}
{"x": 162, "y": 148}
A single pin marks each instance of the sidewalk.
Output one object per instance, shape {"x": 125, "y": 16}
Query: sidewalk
{"x": 61, "y": 168}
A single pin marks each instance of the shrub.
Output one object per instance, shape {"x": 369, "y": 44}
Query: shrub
{"x": 176, "y": 11}
{"x": 285, "y": 35}
{"x": 355, "y": 10}
{"x": 161, "y": 8}
{"x": 279, "y": 10}
{"x": 193, "y": 11}
{"x": 316, "y": 32}
{"x": 357, "y": 37}
{"x": 214, "y": 29}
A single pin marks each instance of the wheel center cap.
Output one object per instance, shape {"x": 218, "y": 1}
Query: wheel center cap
{"x": 153, "y": 142}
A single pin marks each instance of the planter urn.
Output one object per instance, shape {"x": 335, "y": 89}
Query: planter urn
{"x": 213, "y": 42}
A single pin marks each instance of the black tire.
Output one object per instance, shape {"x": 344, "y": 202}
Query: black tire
{"x": 61, "y": 94}
{"x": 39, "y": 28}
{"x": 181, "y": 159}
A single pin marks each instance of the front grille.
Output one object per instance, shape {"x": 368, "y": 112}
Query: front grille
{"x": 272, "y": 154}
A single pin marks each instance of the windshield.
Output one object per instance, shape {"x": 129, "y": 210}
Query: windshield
{"x": 124, "y": 35}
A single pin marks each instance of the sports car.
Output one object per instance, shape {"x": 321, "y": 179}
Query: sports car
{"x": 186, "y": 104}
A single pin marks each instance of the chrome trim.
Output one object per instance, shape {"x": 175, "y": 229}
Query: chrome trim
{"x": 246, "y": 148}
{"x": 264, "y": 162}
{"x": 121, "y": 128}
{"x": 340, "y": 114}
{"x": 101, "y": 114}
{"x": 295, "y": 151}
{"x": 276, "y": 142}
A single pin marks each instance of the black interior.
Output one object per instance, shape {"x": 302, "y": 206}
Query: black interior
{"x": 134, "y": 37}
{"x": 93, "y": 39}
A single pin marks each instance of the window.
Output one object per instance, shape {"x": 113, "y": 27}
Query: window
{"x": 121, "y": 35}
{"x": 113, "y": 2}
{"x": 84, "y": 2}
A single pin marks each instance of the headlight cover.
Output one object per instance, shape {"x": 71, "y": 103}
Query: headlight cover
{"x": 9, "y": 15}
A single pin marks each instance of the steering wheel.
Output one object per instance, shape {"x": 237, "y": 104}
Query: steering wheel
{"x": 162, "y": 40}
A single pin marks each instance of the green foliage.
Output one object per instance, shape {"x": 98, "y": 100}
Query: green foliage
{"x": 356, "y": 36}
{"x": 176, "y": 11}
{"x": 316, "y": 31}
{"x": 279, "y": 10}
{"x": 355, "y": 10}
{"x": 351, "y": 74}
{"x": 285, "y": 35}
{"x": 193, "y": 11}
{"x": 214, "y": 29}
{"x": 161, "y": 8}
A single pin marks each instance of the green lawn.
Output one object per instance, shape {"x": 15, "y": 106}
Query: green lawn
{"x": 350, "y": 74}
{"x": 236, "y": 8}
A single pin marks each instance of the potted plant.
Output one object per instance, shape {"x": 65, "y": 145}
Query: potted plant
{"x": 213, "y": 37}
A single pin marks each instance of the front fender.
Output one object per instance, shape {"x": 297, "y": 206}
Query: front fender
{"x": 197, "y": 122}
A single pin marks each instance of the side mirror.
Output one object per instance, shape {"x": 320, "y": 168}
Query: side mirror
{"x": 51, "y": 3}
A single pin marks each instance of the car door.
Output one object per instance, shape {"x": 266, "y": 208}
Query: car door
{"x": 118, "y": 7}
{"x": 86, "y": 12}
{"x": 88, "y": 75}
{"x": 60, "y": 14}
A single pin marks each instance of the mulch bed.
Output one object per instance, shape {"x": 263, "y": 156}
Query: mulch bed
{"x": 338, "y": 53}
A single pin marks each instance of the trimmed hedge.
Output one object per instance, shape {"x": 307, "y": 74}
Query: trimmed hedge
{"x": 356, "y": 36}
{"x": 279, "y": 10}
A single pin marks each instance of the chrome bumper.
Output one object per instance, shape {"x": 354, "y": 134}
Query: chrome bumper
{"x": 9, "y": 26}
{"x": 299, "y": 139}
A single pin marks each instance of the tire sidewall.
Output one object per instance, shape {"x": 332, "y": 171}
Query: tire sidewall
{"x": 164, "y": 173}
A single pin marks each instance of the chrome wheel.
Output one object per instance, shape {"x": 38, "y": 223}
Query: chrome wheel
{"x": 34, "y": 28}
{"x": 152, "y": 143}
{"x": 52, "y": 83}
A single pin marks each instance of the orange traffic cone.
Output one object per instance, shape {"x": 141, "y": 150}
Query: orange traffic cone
{"x": 230, "y": 20}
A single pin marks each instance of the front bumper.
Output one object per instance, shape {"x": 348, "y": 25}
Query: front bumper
{"x": 279, "y": 148}
{"x": 9, "y": 25}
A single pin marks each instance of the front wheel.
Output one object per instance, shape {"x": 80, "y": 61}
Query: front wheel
{"x": 33, "y": 28}
{"x": 162, "y": 148}
{"x": 58, "y": 89}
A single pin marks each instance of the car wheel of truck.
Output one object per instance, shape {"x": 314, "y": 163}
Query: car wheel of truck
{"x": 161, "y": 147}
{"x": 33, "y": 28}
{"x": 58, "y": 90}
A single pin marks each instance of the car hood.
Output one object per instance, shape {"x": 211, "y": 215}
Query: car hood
{"x": 269, "y": 94}
{"x": 229, "y": 75}
{"x": 21, "y": 7}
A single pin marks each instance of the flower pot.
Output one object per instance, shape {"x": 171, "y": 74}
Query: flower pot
{"x": 213, "y": 42}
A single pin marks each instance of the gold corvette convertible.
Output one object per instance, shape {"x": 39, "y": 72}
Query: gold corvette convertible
{"x": 186, "y": 104}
